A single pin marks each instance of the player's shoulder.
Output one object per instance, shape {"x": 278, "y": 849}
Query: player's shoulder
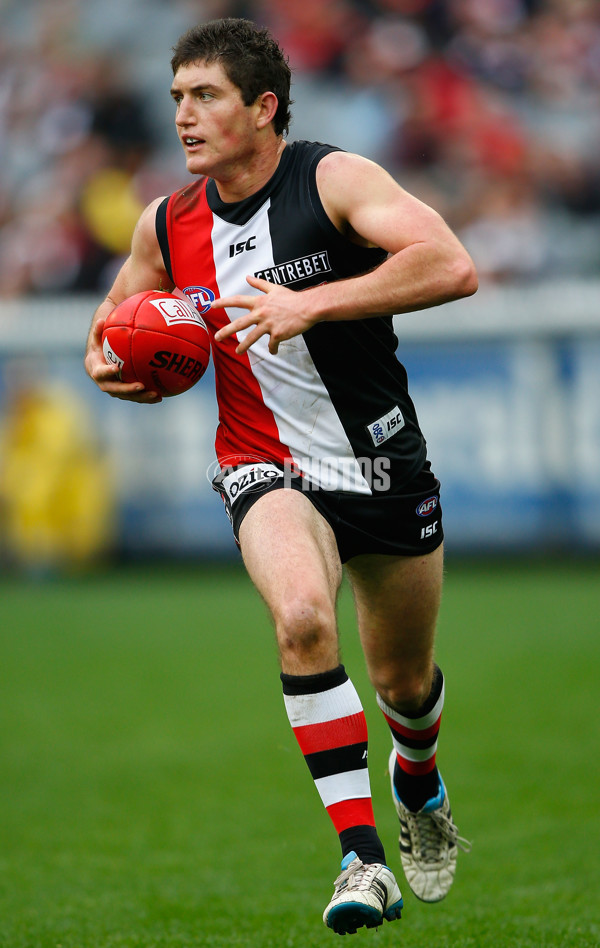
{"x": 151, "y": 208}
{"x": 309, "y": 153}
{"x": 348, "y": 164}
{"x": 330, "y": 164}
{"x": 345, "y": 180}
{"x": 145, "y": 240}
{"x": 146, "y": 225}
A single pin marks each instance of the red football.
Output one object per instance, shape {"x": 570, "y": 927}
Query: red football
{"x": 157, "y": 339}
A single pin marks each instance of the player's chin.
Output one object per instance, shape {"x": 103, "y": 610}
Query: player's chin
{"x": 195, "y": 164}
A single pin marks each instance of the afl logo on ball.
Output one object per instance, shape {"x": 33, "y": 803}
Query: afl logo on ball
{"x": 201, "y": 297}
{"x": 427, "y": 507}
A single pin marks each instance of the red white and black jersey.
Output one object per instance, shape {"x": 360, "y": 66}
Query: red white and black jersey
{"x": 334, "y": 400}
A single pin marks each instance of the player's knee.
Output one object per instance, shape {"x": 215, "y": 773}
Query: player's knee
{"x": 305, "y": 626}
{"x": 405, "y": 691}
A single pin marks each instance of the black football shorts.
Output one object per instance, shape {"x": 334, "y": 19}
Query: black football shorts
{"x": 406, "y": 523}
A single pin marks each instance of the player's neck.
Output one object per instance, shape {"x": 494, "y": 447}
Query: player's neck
{"x": 253, "y": 176}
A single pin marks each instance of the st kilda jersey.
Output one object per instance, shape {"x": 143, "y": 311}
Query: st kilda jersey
{"x": 334, "y": 401}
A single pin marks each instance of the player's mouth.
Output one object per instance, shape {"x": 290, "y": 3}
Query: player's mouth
{"x": 191, "y": 144}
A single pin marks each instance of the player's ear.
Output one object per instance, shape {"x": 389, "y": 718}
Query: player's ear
{"x": 267, "y": 103}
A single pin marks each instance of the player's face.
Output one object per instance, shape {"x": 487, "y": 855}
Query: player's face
{"x": 217, "y": 131}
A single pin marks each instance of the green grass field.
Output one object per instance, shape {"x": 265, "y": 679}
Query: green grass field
{"x": 152, "y": 795}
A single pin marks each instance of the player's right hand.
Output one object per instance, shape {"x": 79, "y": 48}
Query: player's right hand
{"x": 106, "y": 376}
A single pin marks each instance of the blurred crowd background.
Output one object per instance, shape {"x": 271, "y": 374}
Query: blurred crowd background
{"x": 487, "y": 109}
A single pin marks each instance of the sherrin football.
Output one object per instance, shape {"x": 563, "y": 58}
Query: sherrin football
{"x": 157, "y": 339}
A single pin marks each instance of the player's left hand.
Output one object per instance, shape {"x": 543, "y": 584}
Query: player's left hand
{"x": 277, "y": 312}
{"x": 106, "y": 376}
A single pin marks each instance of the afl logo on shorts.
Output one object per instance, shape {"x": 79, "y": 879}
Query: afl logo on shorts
{"x": 200, "y": 296}
{"x": 426, "y": 507}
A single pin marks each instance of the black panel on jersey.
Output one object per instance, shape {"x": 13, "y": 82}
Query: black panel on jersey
{"x": 299, "y": 225}
{"x": 363, "y": 348}
{"x": 162, "y": 235}
{"x": 372, "y": 381}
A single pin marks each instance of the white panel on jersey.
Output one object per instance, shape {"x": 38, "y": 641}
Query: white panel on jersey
{"x": 290, "y": 384}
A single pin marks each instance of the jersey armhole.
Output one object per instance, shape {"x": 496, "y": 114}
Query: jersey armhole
{"x": 376, "y": 254}
{"x": 319, "y": 211}
{"x": 163, "y": 237}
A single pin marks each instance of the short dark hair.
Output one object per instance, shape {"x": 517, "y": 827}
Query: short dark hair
{"x": 252, "y": 59}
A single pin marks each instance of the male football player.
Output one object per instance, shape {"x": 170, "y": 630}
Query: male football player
{"x": 306, "y": 251}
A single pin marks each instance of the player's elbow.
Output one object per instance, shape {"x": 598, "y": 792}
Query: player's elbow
{"x": 463, "y": 276}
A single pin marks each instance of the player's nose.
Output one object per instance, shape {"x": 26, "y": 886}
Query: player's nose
{"x": 185, "y": 114}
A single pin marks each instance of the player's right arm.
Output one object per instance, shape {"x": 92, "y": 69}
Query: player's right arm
{"x": 143, "y": 270}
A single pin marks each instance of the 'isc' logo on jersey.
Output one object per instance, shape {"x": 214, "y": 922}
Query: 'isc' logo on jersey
{"x": 235, "y": 249}
{"x": 385, "y": 427}
{"x": 201, "y": 297}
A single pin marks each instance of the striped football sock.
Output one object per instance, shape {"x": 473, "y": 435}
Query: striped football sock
{"x": 416, "y": 777}
{"x": 329, "y": 723}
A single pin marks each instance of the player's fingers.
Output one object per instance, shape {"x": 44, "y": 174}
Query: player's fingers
{"x": 238, "y": 301}
{"x": 102, "y": 372}
{"x": 147, "y": 398}
{"x": 99, "y": 329}
{"x": 250, "y": 339}
{"x": 224, "y": 332}
{"x": 144, "y": 398}
{"x": 131, "y": 392}
{"x": 113, "y": 386}
{"x": 242, "y": 322}
{"x": 260, "y": 284}
{"x": 93, "y": 353}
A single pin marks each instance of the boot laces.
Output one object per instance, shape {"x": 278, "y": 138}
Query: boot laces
{"x": 356, "y": 876}
{"x": 433, "y": 830}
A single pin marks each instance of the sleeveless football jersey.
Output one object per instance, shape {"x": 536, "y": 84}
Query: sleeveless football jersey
{"x": 334, "y": 400}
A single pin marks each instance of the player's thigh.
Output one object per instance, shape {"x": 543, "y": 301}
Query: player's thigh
{"x": 397, "y": 602}
{"x": 291, "y": 555}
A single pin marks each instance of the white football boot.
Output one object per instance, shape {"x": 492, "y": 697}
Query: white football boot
{"x": 429, "y": 842}
{"x": 363, "y": 895}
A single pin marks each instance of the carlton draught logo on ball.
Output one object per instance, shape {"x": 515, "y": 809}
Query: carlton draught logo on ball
{"x": 157, "y": 339}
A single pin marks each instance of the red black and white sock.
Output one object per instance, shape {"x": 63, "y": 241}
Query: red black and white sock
{"x": 329, "y": 724}
{"x": 416, "y": 777}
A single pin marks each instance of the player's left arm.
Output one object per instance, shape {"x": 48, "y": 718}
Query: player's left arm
{"x": 427, "y": 264}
